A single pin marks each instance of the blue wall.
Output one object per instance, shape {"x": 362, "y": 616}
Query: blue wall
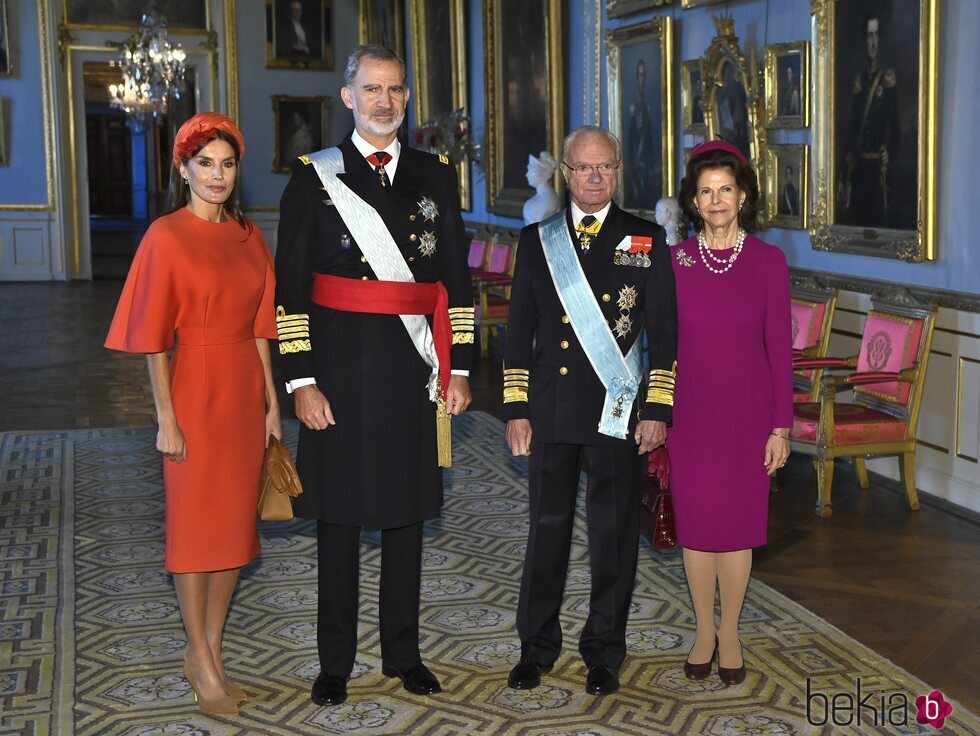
{"x": 23, "y": 180}
{"x": 761, "y": 22}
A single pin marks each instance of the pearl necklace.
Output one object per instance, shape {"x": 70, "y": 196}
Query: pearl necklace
{"x": 703, "y": 249}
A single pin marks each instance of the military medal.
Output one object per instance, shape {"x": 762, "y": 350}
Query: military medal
{"x": 428, "y": 209}
{"x": 345, "y": 241}
{"x": 427, "y": 244}
{"x": 627, "y": 298}
{"x": 585, "y": 240}
{"x": 623, "y": 326}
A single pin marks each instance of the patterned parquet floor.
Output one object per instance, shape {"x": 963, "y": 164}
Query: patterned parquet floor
{"x": 904, "y": 584}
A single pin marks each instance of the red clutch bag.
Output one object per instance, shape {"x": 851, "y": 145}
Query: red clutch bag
{"x": 657, "y": 507}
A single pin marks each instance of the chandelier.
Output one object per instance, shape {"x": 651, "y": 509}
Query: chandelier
{"x": 152, "y": 70}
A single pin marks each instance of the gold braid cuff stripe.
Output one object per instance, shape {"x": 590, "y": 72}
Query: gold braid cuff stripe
{"x": 513, "y": 372}
{"x": 512, "y": 395}
{"x": 294, "y": 332}
{"x": 659, "y": 396}
{"x": 462, "y": 338}
{"x": 294, "y": 346}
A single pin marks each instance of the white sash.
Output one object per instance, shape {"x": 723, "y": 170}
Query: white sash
{"x": 377, "y": 245}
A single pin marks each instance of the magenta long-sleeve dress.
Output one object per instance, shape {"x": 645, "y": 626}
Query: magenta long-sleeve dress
{"x": 734, "y": 386}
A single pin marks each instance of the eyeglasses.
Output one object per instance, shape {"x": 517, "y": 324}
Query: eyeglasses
{"x": 583, "y": 170}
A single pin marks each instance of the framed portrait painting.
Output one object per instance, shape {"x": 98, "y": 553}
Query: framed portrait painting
{"x": 525, "y": 106}
{"x": 788, "y": 180}
{"x": 875, "y": 123}
{"x": 638, "y": 63}
{"x": 382, "y": 21}
{"x": 788, "y": 85}
{"x": 301, "y": 128}
{"x": 181, "y": 15}
{"x": 4, "y": 40}
{"x": 299, "y": 34}
{"x": 691, "y": 92}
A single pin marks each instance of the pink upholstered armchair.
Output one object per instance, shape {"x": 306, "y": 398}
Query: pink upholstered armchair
{"x": 886, "y": 378}
{"x": 812, "y": 313}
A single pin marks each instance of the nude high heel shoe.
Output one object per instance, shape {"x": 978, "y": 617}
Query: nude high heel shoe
{"x": 225, "y": 706}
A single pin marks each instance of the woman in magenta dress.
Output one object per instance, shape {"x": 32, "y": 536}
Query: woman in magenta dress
{"x": 733, "y": 396}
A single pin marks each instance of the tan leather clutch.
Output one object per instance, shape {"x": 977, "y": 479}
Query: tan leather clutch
{"x": 280, "y": 483}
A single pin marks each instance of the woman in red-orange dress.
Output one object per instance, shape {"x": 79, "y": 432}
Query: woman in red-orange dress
{"x": 203, "y": 283}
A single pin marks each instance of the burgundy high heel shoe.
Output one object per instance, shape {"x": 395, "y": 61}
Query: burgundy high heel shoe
{"x": 700, "y": 671}
{"x": 733, "y": 675}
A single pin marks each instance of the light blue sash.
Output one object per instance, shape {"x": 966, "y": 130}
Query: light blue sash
{"x": 620, "y": 376}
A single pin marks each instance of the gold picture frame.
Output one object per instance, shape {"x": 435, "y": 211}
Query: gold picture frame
{"x": 733, "y": 100}
{"x": 787, "y": 197}
{"x": 5, "y": 63}
{"x": 688, "y": 4}
{"x": 648, "y": 170}
{"x": 4, "y": 160}
{"x": 439, "y": 71}
{"x": 863, "y": 202}
{"x": 524, "y": 71}
{"x": 618, "y": 8}
{"x": 284, "y": 47}
{"x": 692, "y": 91}
{"x": 788, "y": 85}
{"x": 382, "y": 21}
{"x": 125, "y": 15}
{"x": 303, "y": 133}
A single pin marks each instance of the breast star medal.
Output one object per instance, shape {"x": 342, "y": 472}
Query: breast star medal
{"x": 345, "y": 241}
{"x": 627, "y": 298}
{"x": 684, "y": 259}
{"x": 428, "y": 209}
{"x": 427, "y": 244}
{"x": 623, "y": 326}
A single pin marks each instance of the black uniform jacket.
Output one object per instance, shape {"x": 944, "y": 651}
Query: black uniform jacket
{"x": 377, "y": 467}
{"x": 547, "y": 376}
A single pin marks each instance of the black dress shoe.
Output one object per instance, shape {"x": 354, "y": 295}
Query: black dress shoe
{"x": 733, "y": 675}
{"x": 700, "y": 671}
{"x": 602, "y": 680}
{"x": 526, "y": 675}
{"x": 329, "y": 689}
{"x": 417, "y": 679}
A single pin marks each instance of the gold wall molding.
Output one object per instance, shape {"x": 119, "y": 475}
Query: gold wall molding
{"x": 231, "y": 59}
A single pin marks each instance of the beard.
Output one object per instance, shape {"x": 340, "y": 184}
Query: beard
{"x": 380, "y": 127}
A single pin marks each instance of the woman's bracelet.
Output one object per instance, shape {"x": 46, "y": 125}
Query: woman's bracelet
{"x": 780, "y": 436}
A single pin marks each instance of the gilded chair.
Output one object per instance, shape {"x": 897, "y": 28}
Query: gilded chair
{"x": 493, "y": 289}
{"x": 887, "y": 378}
{"x": 476, "y": 259}
{"x": 812, "y": 311}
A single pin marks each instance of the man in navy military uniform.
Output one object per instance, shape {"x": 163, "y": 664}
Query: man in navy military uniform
{"x": 555, "y": 398}
{"x": 368, "y": 445}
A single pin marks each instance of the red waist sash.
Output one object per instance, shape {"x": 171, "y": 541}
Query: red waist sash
{"x": 392, "y": 297}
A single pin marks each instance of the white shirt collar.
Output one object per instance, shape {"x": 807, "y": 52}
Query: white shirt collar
{"x": 393, "y": 149}
{"x": 577, "y": 214}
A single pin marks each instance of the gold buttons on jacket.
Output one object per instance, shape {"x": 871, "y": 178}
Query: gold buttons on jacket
{"x": 413, "y": 237}
{"x": 564, "y": 344}
{"x": 565, "y": 319}
{"x": 606, "y": 297}
{"x": 364, "y": 278}
{"x": 412, "y": 218}
{"x": 563, "y": 370}
{"x": 363, "y": 259}
{"x": 411, "y": 258}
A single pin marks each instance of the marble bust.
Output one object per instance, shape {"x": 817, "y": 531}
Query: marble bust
{"x": 668, "y": 215}
{"x": 545, "y": 201}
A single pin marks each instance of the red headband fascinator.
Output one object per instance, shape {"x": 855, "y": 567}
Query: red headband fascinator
{"x": 200, "y": 129}
{"x": 718, "y": 145}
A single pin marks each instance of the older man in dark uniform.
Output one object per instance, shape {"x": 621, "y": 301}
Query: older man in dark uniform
{"x": 589, "y": 282}
{"x": 872, "y": 137}
{"x": 373, "y": 296}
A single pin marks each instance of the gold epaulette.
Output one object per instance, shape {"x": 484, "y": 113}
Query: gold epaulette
{"x": 294, "y": 332}
{"x": 443, "y": 158}
{"x": 463, "y": 321}
{"x": 305, "y": 159}
{"x": 516, "y": 382}
{"x": 660, "y": 389}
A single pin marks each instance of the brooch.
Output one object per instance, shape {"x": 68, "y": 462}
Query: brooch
{"x": 627, "y": 298}
{"x": 428, "y": 209}
{"x": 623, "y": 326}
{"x": 684, "y": 259}
{"x": 427, "y": 244}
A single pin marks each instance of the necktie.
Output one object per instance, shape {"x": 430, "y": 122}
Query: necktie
{"x": 587, "y": 230}
{"x": 378, "y": 161}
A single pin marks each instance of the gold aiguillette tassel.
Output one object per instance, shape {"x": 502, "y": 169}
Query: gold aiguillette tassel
{"x": 444, "y": 435}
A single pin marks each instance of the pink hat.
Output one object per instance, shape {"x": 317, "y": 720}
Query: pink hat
{"x": 718, "y": 145}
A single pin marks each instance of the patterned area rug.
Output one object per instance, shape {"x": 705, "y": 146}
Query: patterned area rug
{"x": 90, "y": 637}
